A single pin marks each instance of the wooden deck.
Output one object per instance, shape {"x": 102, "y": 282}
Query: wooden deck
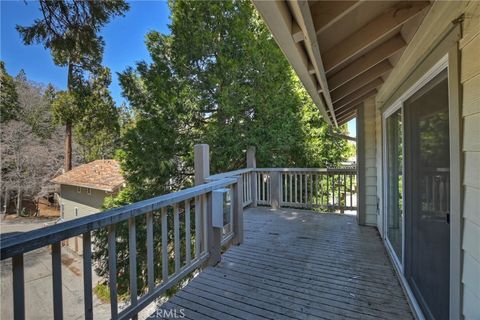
{"x": 297, "y": 264}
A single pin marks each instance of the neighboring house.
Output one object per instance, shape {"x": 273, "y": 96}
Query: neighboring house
{"x": 84, "y": 188}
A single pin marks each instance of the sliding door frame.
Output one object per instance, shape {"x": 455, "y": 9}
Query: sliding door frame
{"x": 449, "y": 62}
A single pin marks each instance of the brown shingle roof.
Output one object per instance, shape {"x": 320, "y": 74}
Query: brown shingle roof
{"x": 99, "y": 174}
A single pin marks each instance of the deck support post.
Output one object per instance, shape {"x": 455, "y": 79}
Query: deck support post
{"x": 252, "y": 163}
{"x": 275, "y": 185}
{"x": 237, "y": 190}
{"x": 202, "y": 172}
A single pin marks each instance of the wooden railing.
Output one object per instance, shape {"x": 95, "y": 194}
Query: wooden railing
{"x": 184, "y": 236}
{"x": 333, "y": 189}
{"x": 201, "y": 245}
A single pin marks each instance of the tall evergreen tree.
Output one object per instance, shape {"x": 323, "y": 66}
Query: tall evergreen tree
{"x": 69, "y": 29}
{"x": 8, "y": 96}
{"x": 218, "y": 78}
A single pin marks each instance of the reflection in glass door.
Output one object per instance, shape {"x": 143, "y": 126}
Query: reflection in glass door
{"x": 394, "y": 192}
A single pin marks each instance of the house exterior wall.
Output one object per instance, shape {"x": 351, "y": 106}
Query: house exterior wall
{"x": 86, "y": 203}
{"x": 424, "y": 50}
{"x": 470, "y": 80}
{"x": 368, "y": 211}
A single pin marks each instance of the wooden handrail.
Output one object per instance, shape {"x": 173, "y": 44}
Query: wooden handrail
{"x": 39, "y": 238}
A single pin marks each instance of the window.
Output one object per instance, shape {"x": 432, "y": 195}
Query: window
{"x": 76, "y": 212}
{"x": 89, "y": 191}
{"x": 79, "y": 189}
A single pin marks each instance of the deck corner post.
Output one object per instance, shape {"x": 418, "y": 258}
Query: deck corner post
{"x": 238, "y": 211}
{"x": 214, "y": 235}
{"x": 252, "y": 163}
{"x": 275, "y": 185}
{"x": 201, "y": 154}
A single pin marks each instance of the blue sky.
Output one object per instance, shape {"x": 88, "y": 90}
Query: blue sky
{"x": 124, "y": 41}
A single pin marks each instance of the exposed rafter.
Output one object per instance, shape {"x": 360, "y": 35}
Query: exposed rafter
{"x": 301, "y": 10}
{"x": 352, "y": 105}
{"x": 297, "y": 33}
{"x": 347, "y": 117}
{"x": 358, "y": 93}
{"x": 372, "y": 32}
{"x": 278, "y": 18}
{"x": 361, "y": 80}
{"x": 326, "y": 13}
{"x": 367, "y": 61}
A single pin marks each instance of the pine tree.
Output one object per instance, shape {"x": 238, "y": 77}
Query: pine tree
{"x": 69, "y": 29}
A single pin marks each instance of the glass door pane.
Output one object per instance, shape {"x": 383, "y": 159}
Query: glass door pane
{"x": 394, "y": 174}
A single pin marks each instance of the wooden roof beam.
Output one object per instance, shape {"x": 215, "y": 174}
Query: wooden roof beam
{"x": 347, "y": 118}
{"x": 376, "y": 29}
{"x": 301, "y": 12}
{"x": 367, "y": 61}
{"x": 359, "y": 81}
{"x": 297, "y": 32}
{"x": 326, "y": 13}
{"x": 352, "y": 105}
{"x": 358, "y": 93}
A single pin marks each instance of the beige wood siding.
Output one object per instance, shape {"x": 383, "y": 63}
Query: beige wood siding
{"x": 470, "y": 79}
{"x": 370, "y": 154}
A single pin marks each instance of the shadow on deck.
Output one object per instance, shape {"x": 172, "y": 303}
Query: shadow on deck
{"x": 296, "y": 264}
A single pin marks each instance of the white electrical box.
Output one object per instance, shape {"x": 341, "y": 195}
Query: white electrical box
{"x": 221, "y": 208}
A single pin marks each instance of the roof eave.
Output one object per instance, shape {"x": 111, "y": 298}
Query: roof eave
{"x": 279, "y": 20}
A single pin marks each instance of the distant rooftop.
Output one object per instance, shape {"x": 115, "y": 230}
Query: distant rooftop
{"x": 99, "y": 174}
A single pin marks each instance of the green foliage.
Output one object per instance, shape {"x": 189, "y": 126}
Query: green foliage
{"x": 69, "y": 29}
{"x": 219, "y": 78}
{"x": 8, "y": 96}
{"x": 97, "y": 131}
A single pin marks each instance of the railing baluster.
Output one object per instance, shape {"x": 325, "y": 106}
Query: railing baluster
{"x": 306, "y": 189}
{"x": 87, "y": 275}
{"x": 176, "y": 235}
{"x": 351, "y": 191}
{"x": 18, "y": 287}
{"x": 205, "y": 228}
{"x": 316, "y": 189}
{"x": 188, "y": 237}
{"x": 57, "y": 281}
{"x": 150, "y": 263}
{"x": 301, "y": 188}
{"x": 112, "y": 270}
{"x": 198, "y": 221}
{"x": 164, "y": 245}
{"x": 132, "y": 253}
{"x": 295, "y": 176}
{"x": 333, "y": 191}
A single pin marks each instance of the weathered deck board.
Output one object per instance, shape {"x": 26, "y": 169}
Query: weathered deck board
{"x": 297, "y": 264}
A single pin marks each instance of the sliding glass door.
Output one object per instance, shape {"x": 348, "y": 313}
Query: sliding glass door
{"x": 394, "y": 174}
{"x": 417, "y": 192}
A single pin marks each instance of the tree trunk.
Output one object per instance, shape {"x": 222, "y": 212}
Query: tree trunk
{"x": 19, "y": 201}
{"x": 68, "y": 146}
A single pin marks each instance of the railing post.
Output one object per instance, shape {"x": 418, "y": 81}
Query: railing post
{"x": 238, "y": 211}
{"x": 214, "y": 235}
{"x": 202, "y": 172}
{"x": 201, "y": 163}
{"x": 275, "y": 191}
{"x": 252, "y": 163}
